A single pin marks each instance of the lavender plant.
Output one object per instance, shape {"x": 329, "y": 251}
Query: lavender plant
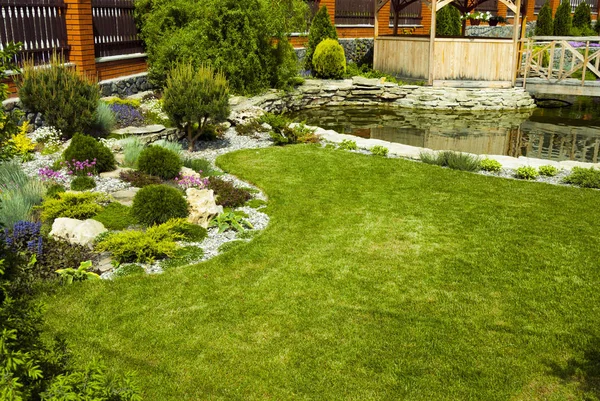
{"x": 127, "y": 115}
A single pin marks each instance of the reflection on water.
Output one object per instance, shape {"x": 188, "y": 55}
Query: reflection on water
{"x": 571, "y": 133}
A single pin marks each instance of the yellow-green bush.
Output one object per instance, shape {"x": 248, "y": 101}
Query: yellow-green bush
{"x": 329, "y": 60}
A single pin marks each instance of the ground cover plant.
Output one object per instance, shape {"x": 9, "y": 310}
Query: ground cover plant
{"x": 377, "y": 278}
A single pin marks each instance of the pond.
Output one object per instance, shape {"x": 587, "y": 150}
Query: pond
{"x": 567, "y": 133}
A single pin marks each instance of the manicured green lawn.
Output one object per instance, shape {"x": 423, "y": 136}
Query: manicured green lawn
{"x": 376, "y": 279}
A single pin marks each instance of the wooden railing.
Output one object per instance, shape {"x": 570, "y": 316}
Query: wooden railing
{"x": 115, "y": 32}
{"x": 38, "y": 24}
{"x": 556, "y": 59}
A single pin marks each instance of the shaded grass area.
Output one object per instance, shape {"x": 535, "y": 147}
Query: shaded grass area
{"x": 376, "y": 279}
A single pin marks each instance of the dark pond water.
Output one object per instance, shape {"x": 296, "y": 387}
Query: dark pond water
{"x": 569, "y": 133}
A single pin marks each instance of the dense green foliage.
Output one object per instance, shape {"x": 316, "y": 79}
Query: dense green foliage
{"x": 582, "y": 18}
{"x": 490, "y": 165}
{"x": 526, "y": 173}
{"x": 376, "y": 279}
{"x": 448, "y": 22}
{"x": 201, "y": 166}
{"x": 348, "y": 144}
{"x": 321, "y": 28}
{"x": 584, "y": 177}
{"x": 54, "y": 190}
{"x": 67, "y": 100}
{"x": 329, "y": 60}
{"x": 379, "y": 150}
{"x": 194, "y": 97}
{"x": 156, "y": 204}
{"x": 81, "y": 205}
{"x": 160, "y": 162}
{"x": 139, "y": 179}
{"x": 289, "y": 135}
{"x": 544, "y": 25}
{"x": 83, "y": 183}
{"x": 18, "y": 193}
{"x": 548, "y": 170}
{"x": 84, "y": 147}
{"x": 227, "y": 194}
{"x": 563, "y": 21}
{"x": 8, "y": 121}
{"x": 116, "y": 216}
{"x": 453, "y": 160}
{"x": 235, "y": 37}
{"x": 139, "y": 246}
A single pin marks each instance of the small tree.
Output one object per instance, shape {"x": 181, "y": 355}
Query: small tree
{"x": 320, "y": 29}
{"x": 562, "y": 19}
{"x": 582, "y": 19}
{"x": 448, "y": 22}
{"x": 544, "y": 24}
{"x": 193, "y": 97}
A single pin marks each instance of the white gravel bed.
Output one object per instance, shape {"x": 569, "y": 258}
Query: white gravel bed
{"x": 108, "y": 185}
{"x": 510, "y": 173}
{"x": 230, "y": 142}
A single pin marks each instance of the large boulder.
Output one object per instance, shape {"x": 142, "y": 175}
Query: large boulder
{"x": 202, "y": 206}
{"x": 77, "y": 231}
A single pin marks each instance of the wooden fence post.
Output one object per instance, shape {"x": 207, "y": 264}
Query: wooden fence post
{"x": 80, "y": 36}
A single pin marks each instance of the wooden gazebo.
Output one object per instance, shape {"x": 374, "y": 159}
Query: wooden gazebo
{"x": 451, "y": 61}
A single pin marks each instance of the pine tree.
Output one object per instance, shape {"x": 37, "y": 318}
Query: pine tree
{"x": 544, "y": 25}
{"x": 582, "y": 18}
{"x": 321, "y": 28}
{"x": 562, "y": 19}
{"x": 448, "y": 22}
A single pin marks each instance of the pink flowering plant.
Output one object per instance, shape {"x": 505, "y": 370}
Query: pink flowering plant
{"x": 190, "y": 181}
{"x": 46, "y": 174}
{"x": 80, "y": 168}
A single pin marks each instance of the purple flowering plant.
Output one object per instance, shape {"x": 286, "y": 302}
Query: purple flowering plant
{"x": 190, "y": 181}
{"x": 79, "y": 168}
{"x": 46, "y": 174}
{"x": 24, "y": 236}
{"x": 127, "y": 115}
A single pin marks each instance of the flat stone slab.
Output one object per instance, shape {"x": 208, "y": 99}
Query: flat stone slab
{"x": 125, "y": 197}
{"x": 148, "y": 129}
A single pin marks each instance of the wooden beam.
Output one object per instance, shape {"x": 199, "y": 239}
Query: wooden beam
{"x": 432, "y": 42}
{"x": 511, "y": 6}
{"x": 442, "y": 4}
{"x": 516, "y": 41}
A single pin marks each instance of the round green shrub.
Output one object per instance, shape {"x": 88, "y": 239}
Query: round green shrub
{"x": 157, "y": 204}
{"x": 329, "y": 60}
{"x": 53, "y": 191}
{"x": 84, "y": 147}
{"x": 160, "y": 162}
{"x": 83, "y": 183}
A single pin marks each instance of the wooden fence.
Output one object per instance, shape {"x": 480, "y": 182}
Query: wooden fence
{"x": 115, "y": 32}
{"x": 354, "y": 12}
{"x": 592, "y": 3}
{"x": 38, "y": 24}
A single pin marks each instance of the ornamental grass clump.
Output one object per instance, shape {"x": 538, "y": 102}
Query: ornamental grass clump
{"x": 194, "y": 97}
{"x": 132, "y": 149}
{"x": 18, "y": 193}
{"x": 157, "y": 204}
{"x": 160, "y": 162}
{"x": 454, "y": 160}
{"x": 67, "y": 100}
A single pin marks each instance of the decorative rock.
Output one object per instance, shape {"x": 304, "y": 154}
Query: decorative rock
{"x": 77, "y": 231}
{"x": 104, "y": 264}
{"x": 189, "y": 172}
{"x": 115, "y": 173}
{"x": 148, "y": 129}
{"x": 202, "y": 206}
{"x": 125, "y": 197}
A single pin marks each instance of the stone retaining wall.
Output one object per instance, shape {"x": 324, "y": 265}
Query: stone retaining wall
{"x": 499, "y": 31}
{"x": 360, "y": 91}
{"x": 358, "y": 51}
{"x": 125, "y": 86}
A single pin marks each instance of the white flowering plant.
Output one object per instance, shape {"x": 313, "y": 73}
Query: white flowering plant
{"x": 49, "y": 137}
{"x": 477, "y": 16}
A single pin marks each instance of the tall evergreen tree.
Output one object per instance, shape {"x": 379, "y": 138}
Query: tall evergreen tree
{"x": 448, "y": 22}
{"x": 562, "y": 19}
{"x": 582, "y": 18}
{"x": 321, "y": 28}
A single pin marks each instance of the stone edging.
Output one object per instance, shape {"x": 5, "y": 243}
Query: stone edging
{"x": 360, "y": 91}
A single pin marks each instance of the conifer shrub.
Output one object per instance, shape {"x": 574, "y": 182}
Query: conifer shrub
{"x": 73, "y": 205}
{"x": 84, "y": 147}
{"x": 116, "y": 216}
{"x": 195, "y": 97}
{"x": 67, "y": 100}
{"x": 139, "y": 179}
{"x": 582, "y": 18}
{"x": 329, "y": 60}
{"x": 321, "y": 28}
{"x": 448, "y": 22}
{"x": 160, "y": 162}
{"x": 54, "y": 190}
{"x": 157, "y": 204}
{"x": 562, "y": 19}
{"x": 83, "y": 183}
{"x": 544, "y": 25}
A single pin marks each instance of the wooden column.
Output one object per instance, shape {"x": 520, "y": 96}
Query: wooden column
{"x": 432, "y": 41}
{"x": 80, "y": 36}
{"x": 516, "y": 41}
